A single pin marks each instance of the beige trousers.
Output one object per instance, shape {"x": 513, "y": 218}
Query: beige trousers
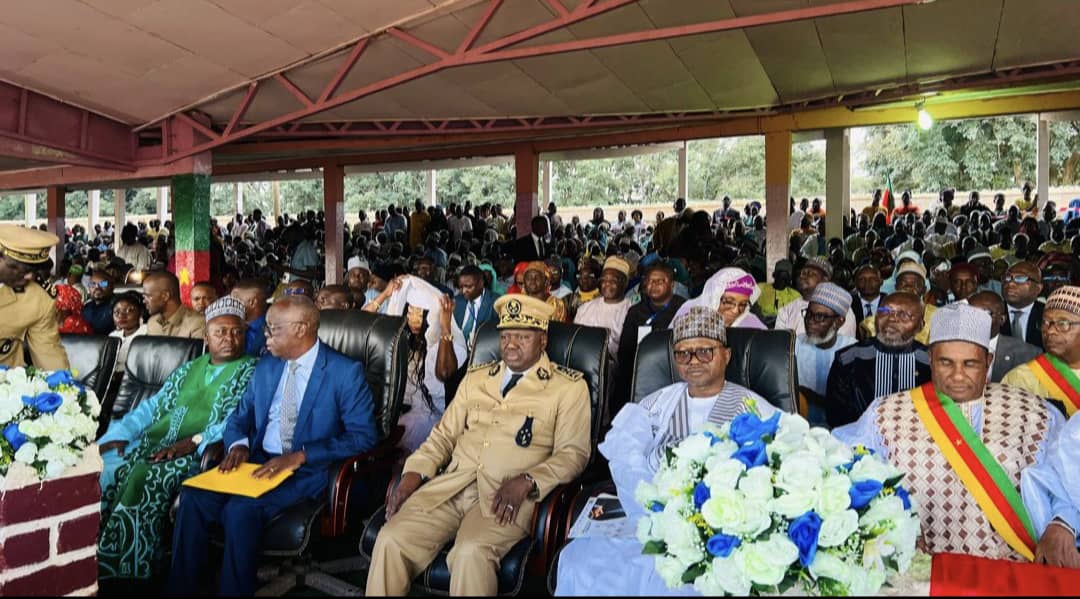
{"x": 411, "y": 540}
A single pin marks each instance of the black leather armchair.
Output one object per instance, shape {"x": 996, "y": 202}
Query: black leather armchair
{"x": 92, "y": 359}
{"x": 762, "y": 361}
{"x": 582, "y": 348}
{"x": 379, "y": 342}
{"x": 150, "y": 361}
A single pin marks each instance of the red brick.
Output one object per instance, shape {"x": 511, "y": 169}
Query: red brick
{"x": 53, "y": 497}
{"x": 25, "y": 549}
{"x": 57, "y": 580}
{"x": 78, "y": 533}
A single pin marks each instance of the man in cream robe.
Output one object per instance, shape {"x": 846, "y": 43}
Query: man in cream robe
{"x": 636, "y": 444}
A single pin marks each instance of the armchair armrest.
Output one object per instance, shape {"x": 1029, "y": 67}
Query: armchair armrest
{"x": 212, "y": 456}
{"x": 381, "y": 457}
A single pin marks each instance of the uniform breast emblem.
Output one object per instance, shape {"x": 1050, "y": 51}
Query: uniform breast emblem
{"x": 524, "y": 434}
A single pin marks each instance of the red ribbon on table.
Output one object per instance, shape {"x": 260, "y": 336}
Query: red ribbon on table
{"x": 954, "y": 574}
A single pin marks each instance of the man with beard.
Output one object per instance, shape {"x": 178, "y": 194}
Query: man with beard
{"x": 815, "y": 350}
{"x": 891, "y": 362}
{"x": 1020, "y": 287}
{"x": 815, "y": 271}
{"x": 98, "y": 311}
{"x": 911, "y": 278}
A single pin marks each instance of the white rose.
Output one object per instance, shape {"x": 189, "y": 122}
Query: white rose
{"x": 792, "y": 424}
{"x": 800, "y": 471}
{"x": 871, "y": 468}
{"x": 867, "y": 583}
{"x": 837, "y": 455}
{"x": 757, "y": 484}
{"x": 766, "y": 562}
{"x": 646, "y": 493}
{"x": 722, "y": 472}
{"x": 683, "y": 542}
{"x": 903, "y": 537}
{"x": 833, "y": 496}
{"x": 694, "y": 448}
{"x": 729, "y": 511}
{"x": 644, "y": 530}
{"x": 670, "y": 570}
{"x": 26, "y": 453}
{"x": 837, "y": 527}
{"x": 724, "y": 577}
{"x": 827, "y": 565}
{"x": 54, "y": 468}
{"x": 793, "y": 504}
{"x": 883, "y": 509}
{"x": 723, "y": 449}
{"x": 10, "y": 406}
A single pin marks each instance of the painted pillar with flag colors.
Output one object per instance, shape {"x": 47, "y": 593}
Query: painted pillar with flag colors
{"x": 887, "y": 199}
{"x": 191, "y": 222}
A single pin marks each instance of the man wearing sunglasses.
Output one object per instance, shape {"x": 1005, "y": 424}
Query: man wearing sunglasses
{"x": 1020, "y": 287}
{"x": 890, "y": 362}
{"x": 639, "y": 437}
{"x": 29, "y": 314}
{"x": 98, "y": 311}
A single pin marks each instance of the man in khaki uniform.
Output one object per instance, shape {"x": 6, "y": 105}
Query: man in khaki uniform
{"x": 27, "y": 312}
{"x": 516, "y": 429}
{"x": 169, "y": 317}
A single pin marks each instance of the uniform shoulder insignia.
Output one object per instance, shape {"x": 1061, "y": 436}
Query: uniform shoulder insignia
{"x": 569, "y": 373}
{"x": 483, "y": 366}
{"x": 543, "y": 374}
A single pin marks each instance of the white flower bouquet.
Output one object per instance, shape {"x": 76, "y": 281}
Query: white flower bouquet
{"x": 47, "y": 420}
{"x": 760, "y": 506}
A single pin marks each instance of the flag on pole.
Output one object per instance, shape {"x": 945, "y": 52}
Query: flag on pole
{"x": 887, "y": 199}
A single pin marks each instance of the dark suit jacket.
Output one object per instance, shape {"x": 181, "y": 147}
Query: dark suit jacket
{"x": 486, "y": 312}
{"x": 1011, "y": 352}
{"x": 523, "y": 250}
{"x": 1034, "y": 325}
{"x": 336, "y": 418}
{"x": 857, "y": 307}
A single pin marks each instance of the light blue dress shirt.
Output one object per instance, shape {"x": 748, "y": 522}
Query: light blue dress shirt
{"x": 272, "y": 440}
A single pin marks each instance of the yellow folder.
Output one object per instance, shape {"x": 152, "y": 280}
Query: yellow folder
{"x": 237, "y": 482}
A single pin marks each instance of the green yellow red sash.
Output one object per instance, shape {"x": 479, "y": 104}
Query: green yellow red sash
{"x": 977, "y": 469}
{"x": 1059, "y": 379}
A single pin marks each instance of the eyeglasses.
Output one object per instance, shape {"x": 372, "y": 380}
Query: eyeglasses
{"x": 734, "y": 305}
{"x": 703, "y": 355}
{"x": 271, "y": 329}
{"x": 817, "y": 316}
{"x": 293, "y": 291}
{"x": 1062, "y": 326}
{"x": 102, "y": 284}
{"x": 1018, "y": 279}
{"x": 898, "y": 314}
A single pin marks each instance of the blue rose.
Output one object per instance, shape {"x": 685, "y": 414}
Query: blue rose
{"x": 46, "y": 403}
{"x": 701, "y": 495}
{"x": 862, "y": 492}
{"x": 720, "y": 545}
{"x": 60, "y": 377}
{"x": 656, "y": 506}
{"x": 14, "y": 436}
{"x": 904, "y": 496}
{"x": 803, "y": 531}
{"x": 752, "y": 454}
{"x": 3, "y": 368}
{"x": 747, "y": 427}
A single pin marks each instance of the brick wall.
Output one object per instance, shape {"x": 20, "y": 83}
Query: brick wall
{"x": 48, "y": 532}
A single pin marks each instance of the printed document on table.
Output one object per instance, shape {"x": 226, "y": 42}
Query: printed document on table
{"x": 602, "y": 516}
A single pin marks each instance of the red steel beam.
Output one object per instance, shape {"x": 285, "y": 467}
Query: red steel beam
{"x": 194, "y": 124}
{"x": 478, "y": 28}
{"x": 497, "y": 51}
{"x": 242, "y": 108}
{"x": 558, "y": 7}
{"x": 343, "y": 70}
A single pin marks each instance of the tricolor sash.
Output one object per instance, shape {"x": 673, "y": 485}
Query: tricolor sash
{"x": 977, "y": 469}
{"x": 1062, "y": 382}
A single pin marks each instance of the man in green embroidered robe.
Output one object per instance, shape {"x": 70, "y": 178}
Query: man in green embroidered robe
{"x": 158, "y": 444}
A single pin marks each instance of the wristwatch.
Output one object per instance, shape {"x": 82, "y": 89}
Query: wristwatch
{"x": 535, "y": 492}
{"x": 196, "y": 439}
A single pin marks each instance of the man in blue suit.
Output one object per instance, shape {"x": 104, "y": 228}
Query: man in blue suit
{"x": 306, "y": 407}
{"x": 473, "y": 306}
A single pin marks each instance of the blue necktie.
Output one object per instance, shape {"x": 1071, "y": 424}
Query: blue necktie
{"x": 470, "y": 321}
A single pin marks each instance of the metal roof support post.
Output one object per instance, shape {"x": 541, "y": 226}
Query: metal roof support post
{"x": 547, "y": 183}
{"x": 777, "y": 191}
{"x": 431, "y": 183}
{"x": 1042, "y": 159}
{"x": 334, "y": 205}
{"x": 527, "y": 182}
{"x": 239, "y": 197}
{"x": 55, "y": 196}
{"x": 191, "y": 226}
{"x": 30, "y": 208}
{"x": 93, "y": 211}
{"x": 163, "y": 204}
{"x": 119, "y": 208}
{"x": 837, "y": 181}
{"x": 684, "y": 171}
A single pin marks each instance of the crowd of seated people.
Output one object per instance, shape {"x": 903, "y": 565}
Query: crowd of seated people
{"x": 981, "y": 302}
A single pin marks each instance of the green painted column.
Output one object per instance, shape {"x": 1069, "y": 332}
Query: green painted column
{"x": 191, "y": 221}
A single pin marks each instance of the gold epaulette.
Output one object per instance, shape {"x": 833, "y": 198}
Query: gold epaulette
{"x": 492, "y": 367}
{"x": 569, "y": 373}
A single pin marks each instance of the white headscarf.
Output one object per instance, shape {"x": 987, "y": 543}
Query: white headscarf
{"x": 715, "y": 288}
